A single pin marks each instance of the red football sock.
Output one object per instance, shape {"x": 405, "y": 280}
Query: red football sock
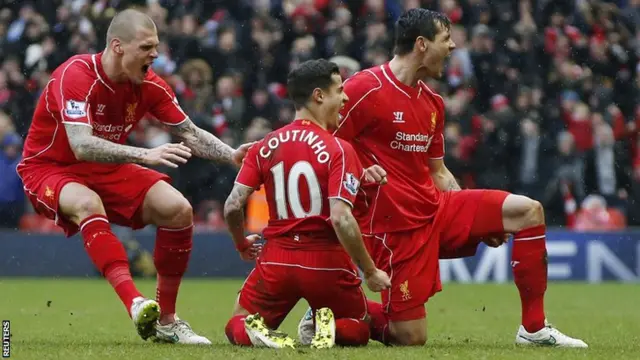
{"x": 109, "y": 256}
{"x": 352, "y": 332}
{"x": 236, "y": 334}
{"x": 171, "y": 257}
{"x": 379, "y": 323}
{"x": 529, "y": 263}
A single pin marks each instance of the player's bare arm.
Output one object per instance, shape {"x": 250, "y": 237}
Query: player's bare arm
{"x": 348, "y": 232}
{"x": 234, "y": 217}
{"x": 87, "y": 147}
{"x": 442, "y": 177}
{"x": 206, "y": 145}
{"x": 234, "y": 211}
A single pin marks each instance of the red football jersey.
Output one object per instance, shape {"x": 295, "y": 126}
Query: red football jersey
{"x": 79, "y": 92}
{"x": 398, "y": 127}
{"x": 302, "y": 166}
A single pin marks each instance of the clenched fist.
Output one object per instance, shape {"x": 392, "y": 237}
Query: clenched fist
{"x": 377, "y": 281}
{"x": 375, "y": 174}
{"x": 250, "y": 249}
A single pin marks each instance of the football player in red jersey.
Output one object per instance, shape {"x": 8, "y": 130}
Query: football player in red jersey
{"x": 77, "y": 170}
{"x": 311, "y": 180}
{"x": 394, "y": 120}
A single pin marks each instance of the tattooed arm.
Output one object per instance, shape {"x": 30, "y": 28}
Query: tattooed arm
{"x": 349, "y": 234}
{"x": 87, "y": 147}
{"x": 442, "y": 177}
{"x": 234, "y": 213}
{"x": 202, "y": 143}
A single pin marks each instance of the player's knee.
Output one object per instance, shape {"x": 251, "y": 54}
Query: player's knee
{"x": 183, "y": 212}
{"x": 410, "y": 337}
{"x": 534, "y": 214}
{"x": 411, "y": 333}
{"x": 176, "y": 212}
{"x": 521, "y": 212}
{"x": 87, "y": 205}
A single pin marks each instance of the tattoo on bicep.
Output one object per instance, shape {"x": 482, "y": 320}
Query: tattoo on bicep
{"x": 202, "y": 143}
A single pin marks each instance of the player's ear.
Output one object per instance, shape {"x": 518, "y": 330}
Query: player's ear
{"x": 117, "y": 46}
{"x": 318, "y": 95}
{"x": 422, "y": 44}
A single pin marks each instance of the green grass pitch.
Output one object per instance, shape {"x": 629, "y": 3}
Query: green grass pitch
{"x": 83, "y": 319}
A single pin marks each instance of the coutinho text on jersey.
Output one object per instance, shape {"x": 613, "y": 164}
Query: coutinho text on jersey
{"x": 302, "y": 166}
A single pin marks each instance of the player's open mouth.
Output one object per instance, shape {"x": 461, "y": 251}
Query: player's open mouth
{"x": 145, "y": 68}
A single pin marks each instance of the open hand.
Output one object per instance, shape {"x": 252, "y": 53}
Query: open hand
{"x": 240, "y": 153}
{"x": 170, "y": 155}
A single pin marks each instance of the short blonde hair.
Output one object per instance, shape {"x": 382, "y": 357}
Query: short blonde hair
{"x": 124, "y": 25}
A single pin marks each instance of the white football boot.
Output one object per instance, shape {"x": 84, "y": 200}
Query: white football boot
{"x": 325, "y": 336}
{"x": 306, "y": 328}
{"x": 262, "y": 336}
{"x": 179, "y": 332}
{"x": 144, "y": 313}
{"x": 547, "y": 336}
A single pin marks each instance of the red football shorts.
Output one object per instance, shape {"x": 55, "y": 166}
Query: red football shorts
{"x": 283, "y": 276}
{"x": 411, "y": 257}
{"x": 122, "y": 189}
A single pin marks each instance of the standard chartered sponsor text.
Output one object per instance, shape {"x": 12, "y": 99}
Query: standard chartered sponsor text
{"x": 108, "y": 131}
{"x": 411, "y": 142}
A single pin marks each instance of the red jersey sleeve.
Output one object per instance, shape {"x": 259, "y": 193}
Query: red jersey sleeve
{"x": 357, "y": 113}
{"x": 164, "y": 104}
{"x": 436, "y": 149}
{"x": 345, "y": 172}
{"x": 76, "y": 83}
{"x": 249, "y": 174}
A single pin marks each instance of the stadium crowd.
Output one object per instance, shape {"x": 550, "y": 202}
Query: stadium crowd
{"x": 541, "y": 95}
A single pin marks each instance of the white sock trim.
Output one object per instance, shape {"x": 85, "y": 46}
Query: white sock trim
{"x": 172, "y": 229}
{"x": 98, "y": 218}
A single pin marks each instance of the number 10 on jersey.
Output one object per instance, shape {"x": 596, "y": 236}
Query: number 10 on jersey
{"x": 287, "y": 193}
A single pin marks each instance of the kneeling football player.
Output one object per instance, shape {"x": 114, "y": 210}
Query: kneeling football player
{"x": 311, "y": 180}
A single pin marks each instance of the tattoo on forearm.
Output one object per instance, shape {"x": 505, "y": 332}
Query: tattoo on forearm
{"x": 88, "y": 147}
{"x": 201, "y": 142}
{"x": 234, "y": 208}
{"x": 348, "y": 233}
{"x": 347, "y": 226}
{"x": 453, "y": 185}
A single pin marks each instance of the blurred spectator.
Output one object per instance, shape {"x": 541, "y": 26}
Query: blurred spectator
{"x": 197, "y": 94}
{"x": 348, "y": 66}
{"x": 596, "y": 216}
{"x": 530, "y": 170}
{"x": 229, "y": 110}
{"x": 566, "y": 185}
{"x": 604, "y": 174}
{"x": 12, "y": 199}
